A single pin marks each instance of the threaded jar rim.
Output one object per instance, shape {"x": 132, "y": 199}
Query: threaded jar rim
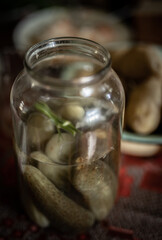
{"x": 40, "y": 51}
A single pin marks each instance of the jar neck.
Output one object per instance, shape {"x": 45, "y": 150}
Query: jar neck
{"x": 70, "y": 62}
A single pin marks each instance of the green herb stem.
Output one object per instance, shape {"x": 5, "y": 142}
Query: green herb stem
{"x": 59, "y": 122}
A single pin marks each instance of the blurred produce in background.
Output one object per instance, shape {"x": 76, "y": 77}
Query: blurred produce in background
{"x": 11, "y": 12}
{"x": 142, "y": 16}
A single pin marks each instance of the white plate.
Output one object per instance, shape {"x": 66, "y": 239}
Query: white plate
{"x": 34, "y": 24}
{"x": 140, "y": 145}
{"x": 139, "y": 149}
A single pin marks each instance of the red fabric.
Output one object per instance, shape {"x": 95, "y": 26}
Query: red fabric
{"x": 137, "y": 213}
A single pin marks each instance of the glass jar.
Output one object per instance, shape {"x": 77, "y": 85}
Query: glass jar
{"x": 67, "y": 109}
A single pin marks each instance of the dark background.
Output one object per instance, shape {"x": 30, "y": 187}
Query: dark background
{"x": 11, "y": 12}
{"x": 146, "y": 26}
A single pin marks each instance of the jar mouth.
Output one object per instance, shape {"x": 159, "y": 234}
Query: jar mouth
{"x": 67, "y": 46}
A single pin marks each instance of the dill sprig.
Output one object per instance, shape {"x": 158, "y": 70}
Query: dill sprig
{"x": 59, "y": 122}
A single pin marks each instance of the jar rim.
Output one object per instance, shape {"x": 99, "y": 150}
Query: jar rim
{"x": 59, "y": 41}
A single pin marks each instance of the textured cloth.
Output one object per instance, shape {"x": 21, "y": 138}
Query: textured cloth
{"x": 136, "y": 215}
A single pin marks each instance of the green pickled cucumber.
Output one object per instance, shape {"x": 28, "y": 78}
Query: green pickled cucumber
{"x": 98, "y": 184}
{"x": 59, "y": 209}
{"x": 57, "y": 173}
